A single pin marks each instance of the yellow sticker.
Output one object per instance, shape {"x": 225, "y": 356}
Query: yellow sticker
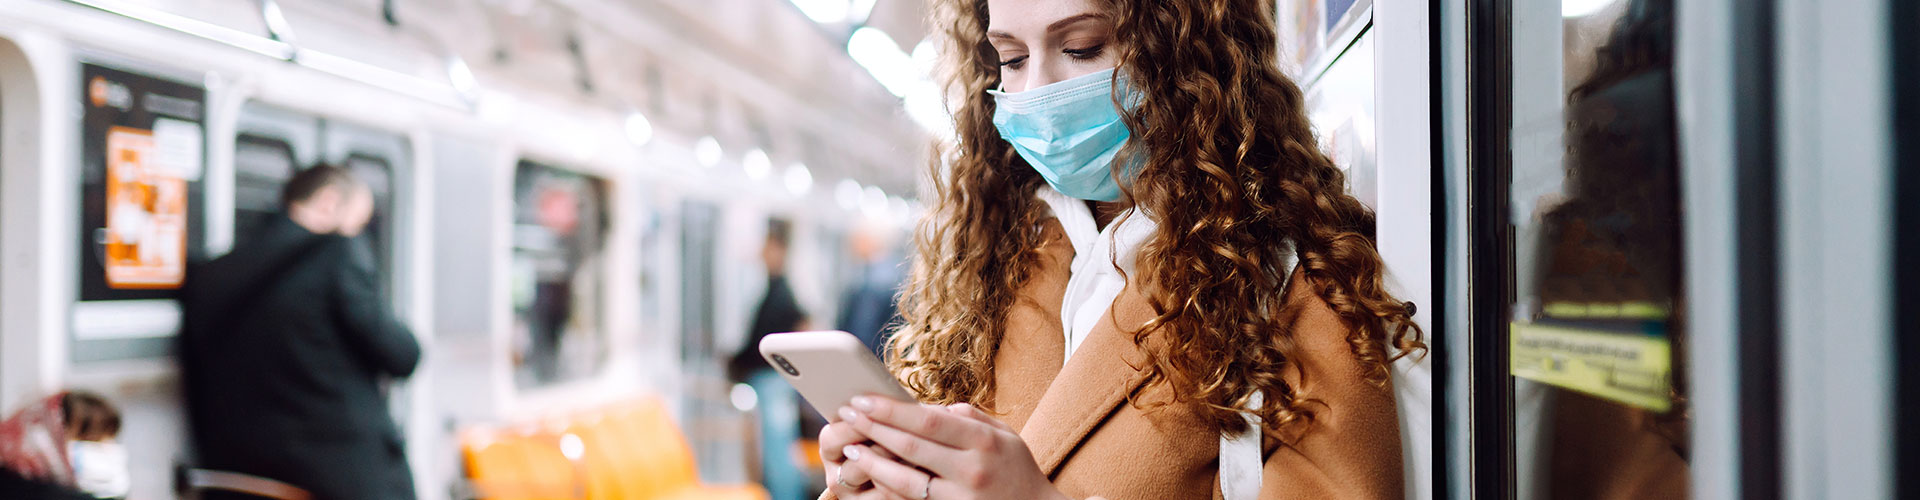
{"x": 1631, "y": 368}
{"x": 1602, "y": 310}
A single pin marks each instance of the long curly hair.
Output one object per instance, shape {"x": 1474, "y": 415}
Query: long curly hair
{"x": 1228, "y": 169}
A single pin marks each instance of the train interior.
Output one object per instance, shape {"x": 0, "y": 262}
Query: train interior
{"x": 1660, "y": 248}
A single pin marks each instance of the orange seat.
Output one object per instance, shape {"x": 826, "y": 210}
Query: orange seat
{"x": 517, "y": 466}
{"x": 606, "y": 459}
{"x": 492, "y": 464}
{"x": 665, "y": 456}
{"x": 555, "y": 476}
{"x": 632, "y": 451}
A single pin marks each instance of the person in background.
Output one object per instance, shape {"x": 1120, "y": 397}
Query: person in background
{"x": 287, "y": 346}
{"x": 868, "y": 308}
{"x": 778, "y": 311}
{"x": 63, "y": 447}
{"x": 780, "y": 411}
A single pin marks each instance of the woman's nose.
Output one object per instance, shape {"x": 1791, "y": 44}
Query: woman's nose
{"x": 1043, "y": 74}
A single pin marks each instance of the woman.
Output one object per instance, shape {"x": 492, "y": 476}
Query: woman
{"x": 61, "y": 447}
{"x": 1114, "y": 334}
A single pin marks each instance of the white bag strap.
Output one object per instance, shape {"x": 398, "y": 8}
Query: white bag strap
{"x": 1241, "y": 463}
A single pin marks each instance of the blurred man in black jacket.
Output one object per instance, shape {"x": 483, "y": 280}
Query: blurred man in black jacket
{"x": 287, "y": 345}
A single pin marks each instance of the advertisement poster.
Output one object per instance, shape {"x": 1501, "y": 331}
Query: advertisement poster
{"x": 142, "y": 157}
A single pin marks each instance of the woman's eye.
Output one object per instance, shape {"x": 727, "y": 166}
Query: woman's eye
{"x": 1086, "y": 53}
{"x": 1014, "y": 63}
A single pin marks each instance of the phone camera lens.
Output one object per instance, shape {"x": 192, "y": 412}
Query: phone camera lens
{"x": 785, "y": 366}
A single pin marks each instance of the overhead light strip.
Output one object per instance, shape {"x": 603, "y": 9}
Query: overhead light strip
{"x": 352, "y": 70}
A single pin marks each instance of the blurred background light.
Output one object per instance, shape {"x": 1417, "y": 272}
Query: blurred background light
{"x": 743, "y": 397}
{"x": 639, "y": 130}
{"x": 873, "y": 201}
{"x": 799, "y": 179}
{"x": 707, "y": 151}
{"x": 756, "y": 164}
{"x": 572, "y": 447}
{"x": 874, "y": 50}
{"x": 898, "y": 210}
{"x": 907, "y": 76}
{"x": 459, "y": 75}
{"x": 847, "y": 194}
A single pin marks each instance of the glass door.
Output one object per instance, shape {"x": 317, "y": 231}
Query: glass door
{"x": 1580, "y": 322}
{"x": 1597, "y": 327}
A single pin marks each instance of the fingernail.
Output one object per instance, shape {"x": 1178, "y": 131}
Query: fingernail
{"x": 863, "y": 403}
{"x": 847, "y": 414}
{"x": 851, "y": 452}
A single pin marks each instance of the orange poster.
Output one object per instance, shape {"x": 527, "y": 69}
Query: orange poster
{"x": 146, "y": 232}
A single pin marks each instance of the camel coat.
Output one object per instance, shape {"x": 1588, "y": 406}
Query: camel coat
{"x": 1091, "y": 442}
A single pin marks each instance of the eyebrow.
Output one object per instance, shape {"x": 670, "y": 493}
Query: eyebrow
{"x": 1056, "y": 26}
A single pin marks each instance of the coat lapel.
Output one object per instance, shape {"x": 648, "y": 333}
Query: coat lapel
{"x": 1095, "y": 381}
{"x": 1033, "y": 342}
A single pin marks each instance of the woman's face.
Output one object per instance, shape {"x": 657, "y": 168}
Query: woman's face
{"x": 1046, "y": 41}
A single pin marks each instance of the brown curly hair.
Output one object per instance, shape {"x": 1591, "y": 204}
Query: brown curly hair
{"x": 1229, "y": 171}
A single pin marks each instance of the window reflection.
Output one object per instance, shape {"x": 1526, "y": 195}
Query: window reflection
{"x": 559, "y": 232}
{"x": 1598, "y": 331}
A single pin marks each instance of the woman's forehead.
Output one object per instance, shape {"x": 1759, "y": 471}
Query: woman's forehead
{"x": 1030, "y": 18}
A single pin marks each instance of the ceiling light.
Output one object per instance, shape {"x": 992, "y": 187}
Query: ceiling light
{"x": 799, "y": 179}
{"x": 847, "y": 194}
{"x": 756, "y": 164}
{"x": 707, "y": 151}
{"x": 639, "y": 130}
{"x": 873, "y": 201}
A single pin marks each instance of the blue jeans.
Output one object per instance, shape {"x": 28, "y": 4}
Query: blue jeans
{"x": 779, "y": 429}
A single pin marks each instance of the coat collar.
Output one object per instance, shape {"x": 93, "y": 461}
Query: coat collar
{"x": 1096, "y": 380}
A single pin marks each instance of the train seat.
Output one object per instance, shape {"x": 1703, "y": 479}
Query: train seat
{"x": 629, "y": 451}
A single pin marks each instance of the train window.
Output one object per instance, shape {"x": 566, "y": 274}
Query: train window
{"x": 560, "y": 224}
{"x": 261, "y": 166}
{"x": 1597, "y": 327}
{"x": 377, "y": 172}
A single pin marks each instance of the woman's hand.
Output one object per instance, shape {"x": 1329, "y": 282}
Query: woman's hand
{"x": 890, "y": 449}
{"x": 846, "y": 483}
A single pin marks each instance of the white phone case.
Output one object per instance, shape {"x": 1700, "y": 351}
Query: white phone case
{"x": 829, "y": 368}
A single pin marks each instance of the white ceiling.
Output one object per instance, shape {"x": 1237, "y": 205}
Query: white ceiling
{"x": 752, "y": 73}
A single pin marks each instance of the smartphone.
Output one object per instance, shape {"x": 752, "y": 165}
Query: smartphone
{"x": 830, "y": 368}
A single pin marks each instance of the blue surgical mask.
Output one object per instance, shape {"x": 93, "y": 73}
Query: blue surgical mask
{"x": 1069, "y": 131}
